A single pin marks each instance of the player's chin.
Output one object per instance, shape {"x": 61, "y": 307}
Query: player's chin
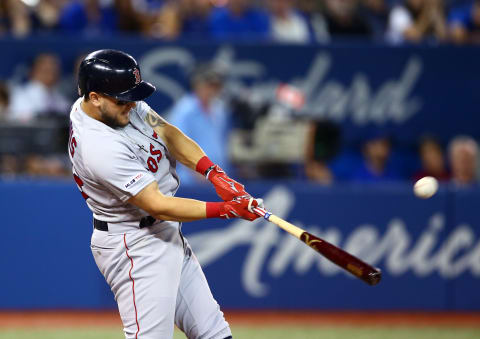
{"x": 124, "y": 119}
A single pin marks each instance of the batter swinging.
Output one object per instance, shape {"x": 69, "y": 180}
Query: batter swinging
{"x": 123, "y": 157}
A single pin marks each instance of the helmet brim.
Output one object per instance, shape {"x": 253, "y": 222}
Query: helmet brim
{"x": 140, "y": 92}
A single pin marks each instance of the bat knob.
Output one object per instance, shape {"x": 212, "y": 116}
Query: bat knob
{"x": 374, "y": 277}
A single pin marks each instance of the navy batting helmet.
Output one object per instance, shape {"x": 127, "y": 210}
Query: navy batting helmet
{"x": 113, "y": 73}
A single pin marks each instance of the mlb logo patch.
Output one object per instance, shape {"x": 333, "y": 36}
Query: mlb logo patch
{"x": 133, "y": 180}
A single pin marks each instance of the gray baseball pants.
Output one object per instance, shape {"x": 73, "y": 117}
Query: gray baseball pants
{"x": 157, "y": 282}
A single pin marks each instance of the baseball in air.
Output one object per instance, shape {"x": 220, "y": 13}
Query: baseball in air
{"x": 425, "y": 187}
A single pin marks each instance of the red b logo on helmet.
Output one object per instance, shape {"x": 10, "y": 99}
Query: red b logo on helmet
{"x": 136, "y": 72}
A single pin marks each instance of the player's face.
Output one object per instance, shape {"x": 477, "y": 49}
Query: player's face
{"x": 115, "y": 113}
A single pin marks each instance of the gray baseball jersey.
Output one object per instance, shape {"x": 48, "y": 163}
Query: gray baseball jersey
{"x": 112, "y": 165}
{"x": 156, "y": 280}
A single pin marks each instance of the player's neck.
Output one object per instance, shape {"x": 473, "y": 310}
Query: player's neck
{"x": 90, "y": 110}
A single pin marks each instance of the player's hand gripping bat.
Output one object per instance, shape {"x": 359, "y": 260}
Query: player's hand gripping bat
{"x": 355, "y": 266}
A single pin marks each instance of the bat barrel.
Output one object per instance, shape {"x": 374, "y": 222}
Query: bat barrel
{"x": 374, "y": 277}
{"x": 352, "y": 264}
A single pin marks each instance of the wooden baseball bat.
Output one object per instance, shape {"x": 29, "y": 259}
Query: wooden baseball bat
{"x": 345, "y": 260}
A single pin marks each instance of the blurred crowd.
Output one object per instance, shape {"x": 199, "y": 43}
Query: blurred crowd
{"x": 39, "y": 101}
{"x": 43, "y": 98}
{"x": 378, "y": 161}
{"x": 34, "y": 121}
{"x": 283, "y": 21}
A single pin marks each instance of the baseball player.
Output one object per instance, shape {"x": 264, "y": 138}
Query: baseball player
{"x": 123, "y": 156}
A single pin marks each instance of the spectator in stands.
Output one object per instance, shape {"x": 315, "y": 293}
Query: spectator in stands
{"x": 45, "y": 166}
{"x": 286, "y": 24}
{"x": 432, "y": 160}
{"x": 464, "y": 23}
{"x": 39, "y": 96}
{"x": 4, "y": 27}
{"x": 323, "y": 144}
{"x": 160, "y": 19}
{"x": 343, "y": 19}
{"x": 45, "y": 14}
{"x": 310, "y": 10}
{"x": 89, "y": 17}
{"x": 308, "y": 6}
{"x": 194, "y": 18}
{"x": 4, "y": 101}
{"x": 416, "y": 21}
{"x": 24, "y": 17}
{"x": 239, "y": 19}
{"x": 10, "y": 165}
{"x": 167, "y": 24}
{"x": 376, "y": 166}
{"x": 463, "y": 156}
{"x": 129, "y": 17}
{"x": 14, "y": 18}
{"x": 202, "y": 116}
{"x": 376, "y": 12}
{"x": 4, "y": 18}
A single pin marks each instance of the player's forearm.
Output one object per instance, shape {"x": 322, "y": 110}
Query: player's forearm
{"x": 162, "y": 207}
{"x": 180, "y": 209}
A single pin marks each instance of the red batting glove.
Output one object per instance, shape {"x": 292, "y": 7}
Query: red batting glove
{"x": 237, "y": 208}
{"x": 226, "y": 187}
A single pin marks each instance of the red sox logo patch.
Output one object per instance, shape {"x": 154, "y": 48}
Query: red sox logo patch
{"x": 136, "y": 72}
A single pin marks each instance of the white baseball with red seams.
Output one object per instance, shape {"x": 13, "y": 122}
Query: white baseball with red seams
{"x": 155, "y": 278}
{"x": 425, "y": 187}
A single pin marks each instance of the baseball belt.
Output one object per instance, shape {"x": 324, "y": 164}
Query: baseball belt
{"x": 103, "y": 225}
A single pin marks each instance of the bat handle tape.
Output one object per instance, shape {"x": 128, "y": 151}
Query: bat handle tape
{"x": 261, "y": 212}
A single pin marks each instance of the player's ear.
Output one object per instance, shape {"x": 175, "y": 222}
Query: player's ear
{"x": 94, "y": 98}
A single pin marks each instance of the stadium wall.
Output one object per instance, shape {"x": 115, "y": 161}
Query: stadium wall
{"x": 428, "y": 250}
